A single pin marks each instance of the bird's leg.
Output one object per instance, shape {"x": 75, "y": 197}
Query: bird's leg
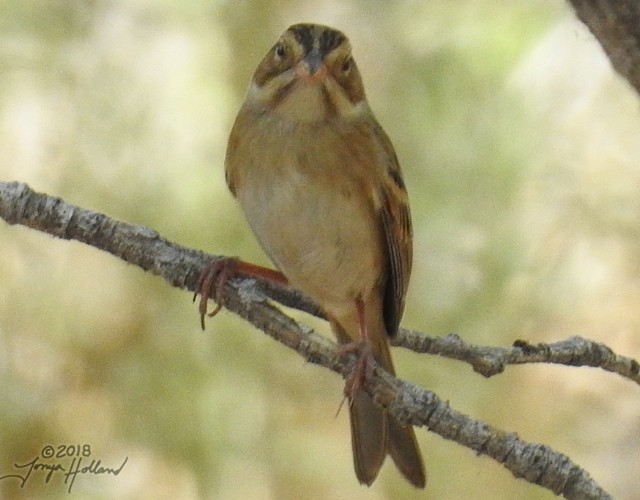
{"x": 365, "y": 361}
{"x": 216, "y": 274}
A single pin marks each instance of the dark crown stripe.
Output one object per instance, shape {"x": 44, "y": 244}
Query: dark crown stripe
{"x": 328, "y": 39}
{"x": 304, "y": 35}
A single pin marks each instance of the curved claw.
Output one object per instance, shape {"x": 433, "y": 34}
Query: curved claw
{"x": 211, "y": 285}
{"x": 215, "y": 276}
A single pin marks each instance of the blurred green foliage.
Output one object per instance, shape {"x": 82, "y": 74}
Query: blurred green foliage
{"x": 519, "y": 148}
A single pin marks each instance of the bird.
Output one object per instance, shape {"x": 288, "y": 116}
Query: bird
{"x": 320, "y": 185}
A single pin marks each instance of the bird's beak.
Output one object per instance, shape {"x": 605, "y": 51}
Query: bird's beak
{"x": 312, "y": 68}
{"x": 314, "y": 61}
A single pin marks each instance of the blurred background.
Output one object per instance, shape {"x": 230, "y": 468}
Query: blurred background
{"x": 519, "y": 147}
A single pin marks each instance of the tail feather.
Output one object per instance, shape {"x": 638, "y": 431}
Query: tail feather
{"x": 368, "y": 437}
{"x": 374, "y": 433}
{"x": 403, "y": 448}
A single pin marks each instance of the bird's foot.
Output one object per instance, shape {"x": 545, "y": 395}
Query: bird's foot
{"x": 211, "y": 285}
{"x": 363, "y": 369}
{"x": 215, "y": 275}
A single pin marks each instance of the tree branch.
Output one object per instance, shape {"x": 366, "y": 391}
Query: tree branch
{"x": 181, "y": 267}
{"x": 490, "y": 361}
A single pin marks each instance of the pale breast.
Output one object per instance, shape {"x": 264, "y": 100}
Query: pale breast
{"x": 316, "y": 224}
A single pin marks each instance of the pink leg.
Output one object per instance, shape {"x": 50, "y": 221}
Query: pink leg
{"x": 365, "y": 360}
{"x": 362, "y": 324}
{"x": 215, "y": 275}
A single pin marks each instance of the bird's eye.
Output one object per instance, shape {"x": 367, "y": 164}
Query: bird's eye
{"x": 346, "y": 65}
{"x": 281, "y": 51}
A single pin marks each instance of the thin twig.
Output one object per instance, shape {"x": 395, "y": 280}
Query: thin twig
{"x": 490, "y": 361}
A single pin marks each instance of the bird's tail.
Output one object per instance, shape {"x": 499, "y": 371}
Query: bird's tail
{"x": 374, "y": 433}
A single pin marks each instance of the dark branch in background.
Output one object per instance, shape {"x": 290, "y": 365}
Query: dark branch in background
{"x": 616, "y": 25}
{"x": 249, "y": 299}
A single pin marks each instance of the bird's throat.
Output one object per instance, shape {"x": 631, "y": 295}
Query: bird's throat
{"x": 305, "y": 102}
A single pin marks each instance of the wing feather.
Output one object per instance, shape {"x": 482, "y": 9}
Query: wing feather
{"x": 395, "y": 219}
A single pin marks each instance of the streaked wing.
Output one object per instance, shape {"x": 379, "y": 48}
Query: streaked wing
{"x": 396, "y": 224}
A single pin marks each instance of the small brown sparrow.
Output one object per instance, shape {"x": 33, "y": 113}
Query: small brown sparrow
{"x": 320, "y": 185}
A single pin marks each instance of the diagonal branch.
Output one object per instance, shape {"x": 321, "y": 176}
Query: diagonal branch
{"x": 409, "y": 403}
